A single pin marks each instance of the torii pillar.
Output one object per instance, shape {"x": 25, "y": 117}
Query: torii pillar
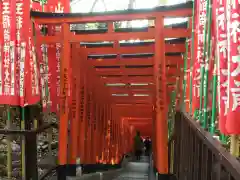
{"x": 161, "y": 127}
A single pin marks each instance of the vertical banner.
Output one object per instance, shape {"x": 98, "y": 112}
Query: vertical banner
{"x": 195, "y": 65}
{"x": 222, "y": 62}
{"x": 58, "y": 50}
{"x": 8, "y": 84}
{"x": 44, "y": 78}
{"x": 49, "y": 57}
{"x": 21, "y": 47}
{"x": 11, "y": 82}
{"x": 18, "y": 62}
{"x": 233, "y": 121}
{"x": 199, "y": 63}
{"x": 53, "y": 73}
{"x": 54, "y": 51}
{"x": 188, "y": 88}
{"x": 32, "y": 68}
{"x": 39, "y": 57}
{"x": 2, "y": 14}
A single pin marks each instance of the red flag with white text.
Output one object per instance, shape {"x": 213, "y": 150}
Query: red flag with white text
{"x": 233, "y": 121}
{"x": 8, "y": 63}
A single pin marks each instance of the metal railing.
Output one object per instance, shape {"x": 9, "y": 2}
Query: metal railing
{"x": 196, "y": 155}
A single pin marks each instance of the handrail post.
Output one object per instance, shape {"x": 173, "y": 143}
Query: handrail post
{"x": 30, "y": 148}
{"x": 31, "y": 156}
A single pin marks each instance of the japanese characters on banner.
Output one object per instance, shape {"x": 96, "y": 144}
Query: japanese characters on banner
{"x": 58, "y": 7}
{"x": 27, "y": 77}
{"x": 18, "y": 57}
{"x": 35, "y": 54}
{"x": 200, "y": 48}
{"x": 31, "y": 82}
{"x": 58, "y": 55}
{"x": 222, "y": 61}
{"x": 233, "y": 121}
{"x": 33, "y": 74}
{"x": 21, "y": 50}
{"x": 211, "y": 71}
{"x": 188, "y": 77}
{"x": 16, "y": 53}
{"x": 43, "y": 74}
{"x": 53, "y": 76}
{"x": 10, "y": 61}
{"x": 44, "y": 55}
{"x": 1, "y": 46}
{"x": 54, "y": 51}
{"x": 49, "y": 60}
{"x": 8, "y": 84}
{"x": 196, "y": 64}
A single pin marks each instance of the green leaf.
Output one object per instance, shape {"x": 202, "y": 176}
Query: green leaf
{"x": 42, "y": 2}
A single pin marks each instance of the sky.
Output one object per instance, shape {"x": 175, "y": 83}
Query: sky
{"x": 84, "y": 6}
{"x": 110, "y": 5}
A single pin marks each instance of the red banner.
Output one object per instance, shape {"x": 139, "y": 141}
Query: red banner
{"x": 1, "y": 40}
{"x": 25, "y": 72}
{"x": 200, "y": 47}
{"x": 24, "y": 55}
{"x": 223, "y": 66}
{"x": 233, "y": 121}
{"x": 49, "y": 57}
{"x": 8, "y": 62}
{"x": 19, "y": 77}
{"x": 58, "y": 7}
{"x": 11, "y": 72}
{"x": 196, "y": 63}
{"x": 58, "y": 50}
{"x": 188, "y": 88}
{"x": 52, "y": 77}
{"x": 54, "y": 56}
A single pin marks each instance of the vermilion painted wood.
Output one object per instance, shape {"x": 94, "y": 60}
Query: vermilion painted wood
{"x": 185, "y": 12}
{"x": 170, "y": 60}
{"x": 161, "y": 126}
{"x": 137, "y": 111}
{"x": 169, "y": 33}
{"x": 75, "y": 121}
{"x": 133, "y": 71}
{"x": 149, "y": 48}
{"x": 64, "y": 116}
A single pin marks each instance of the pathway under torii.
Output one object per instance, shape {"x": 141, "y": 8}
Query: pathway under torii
{"x": 144, "y": 72}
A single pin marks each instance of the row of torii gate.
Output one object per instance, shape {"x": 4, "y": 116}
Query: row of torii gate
{"x": 139, "y": 77}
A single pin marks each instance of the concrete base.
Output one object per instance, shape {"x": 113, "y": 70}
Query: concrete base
{"x": 165, "y": 176}
{"x": 92, "y": 168}
{"x": 71, "y": 170}
{"x": 62, "y": 172}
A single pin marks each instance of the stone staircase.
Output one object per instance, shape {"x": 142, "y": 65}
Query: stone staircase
{"x": 132, "y": 170}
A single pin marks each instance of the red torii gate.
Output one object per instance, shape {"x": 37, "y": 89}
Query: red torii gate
{"x": 162, "y": 75}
